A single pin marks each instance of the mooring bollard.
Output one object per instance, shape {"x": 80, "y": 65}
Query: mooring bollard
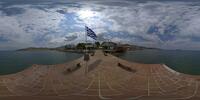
{"x": 86, "y": 57}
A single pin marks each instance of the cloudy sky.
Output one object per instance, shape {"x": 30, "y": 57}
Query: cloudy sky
{"x": 51, "y": 23}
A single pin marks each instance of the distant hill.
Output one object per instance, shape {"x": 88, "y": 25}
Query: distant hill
{"x": 136, "y": 47}
{"x": 35, "y": 49}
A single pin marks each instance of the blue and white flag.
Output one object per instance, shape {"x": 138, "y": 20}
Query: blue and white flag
{"x": 90, "y": 33}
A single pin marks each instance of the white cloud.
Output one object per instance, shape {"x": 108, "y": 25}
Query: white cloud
{"x": 24, "y": 29}
{"x": 179, "y": 19}
{"x": 137, "y": 19}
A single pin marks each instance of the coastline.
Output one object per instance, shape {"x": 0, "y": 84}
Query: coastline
{"x": 61, "y": 50}
{"x": 103, "y": 71}
{"x": 171, "y": 70}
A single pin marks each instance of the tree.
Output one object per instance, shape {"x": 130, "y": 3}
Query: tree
{"x": 80, "y": 46}
{"x": 97, "y": 44}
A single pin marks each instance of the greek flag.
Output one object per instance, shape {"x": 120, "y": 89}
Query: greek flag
{"x": 90, "y": 33}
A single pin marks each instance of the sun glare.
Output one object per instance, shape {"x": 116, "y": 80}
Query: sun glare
{"x": 85, "y": 14}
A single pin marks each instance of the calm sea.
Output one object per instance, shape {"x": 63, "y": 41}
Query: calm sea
{"x": 15, "y": 61}
{"x": 187, "y": 62}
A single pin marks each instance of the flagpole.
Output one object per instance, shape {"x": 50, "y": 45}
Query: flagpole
{"x": 85, "y": 49}
{"x": 85, "y": 36}
{"x": 88, "y": 32}
{"x": 86, "y": 55}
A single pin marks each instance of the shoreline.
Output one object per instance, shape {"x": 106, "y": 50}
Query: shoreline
{"x": 101, "y": 78}
{"x": 114, "y": 54}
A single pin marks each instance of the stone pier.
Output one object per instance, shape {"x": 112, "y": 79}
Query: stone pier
{"x": 102, "y": 77}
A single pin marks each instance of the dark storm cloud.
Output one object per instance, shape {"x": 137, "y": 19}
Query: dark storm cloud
{"x": 61, "y": 11}
{"x": 71, "y": 38}
{"x": 144, "y": 1}
{"x": 111, "y": 3}
{"x": 12, "y": 11}
{"x": 38, "y": 2}
{"x": 17, "y": 2}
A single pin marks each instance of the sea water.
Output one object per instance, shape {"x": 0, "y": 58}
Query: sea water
{"x": 187, "y": 62}
{"x": 15, "y": 61}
